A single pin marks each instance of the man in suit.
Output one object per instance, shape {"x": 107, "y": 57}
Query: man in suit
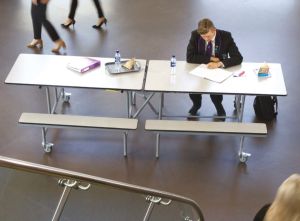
{"x": 217, "y": 49}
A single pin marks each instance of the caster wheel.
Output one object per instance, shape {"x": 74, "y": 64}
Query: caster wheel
{"x": 244, "y": 157}
{"x": 67, "y": 97}
{"x": 48, "y": 147}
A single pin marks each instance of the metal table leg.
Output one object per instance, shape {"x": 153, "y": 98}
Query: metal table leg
{"x": 129, "y": 101}
{"x": 241, "y": 108}
{"x": 48, "y": 100}
{"x": 143, "y": 105}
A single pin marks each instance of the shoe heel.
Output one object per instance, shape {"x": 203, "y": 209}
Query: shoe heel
{"x": 101, "y": 23}
{"x": 37, "y": 44}
{"x": 68, "y": 25}
{"x": 40, "y": 45}
{"x": 59, "y": 44}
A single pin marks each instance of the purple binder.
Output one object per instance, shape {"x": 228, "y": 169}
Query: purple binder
{"x": 82, "y": 65}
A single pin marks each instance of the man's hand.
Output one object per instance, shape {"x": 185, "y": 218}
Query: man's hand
{"x": 214, "y": 65}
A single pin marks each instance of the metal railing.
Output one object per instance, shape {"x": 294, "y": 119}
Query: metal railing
{"x": 74, "y": 180}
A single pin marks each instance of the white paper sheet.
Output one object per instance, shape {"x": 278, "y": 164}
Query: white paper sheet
{"x": 217, "y": 75}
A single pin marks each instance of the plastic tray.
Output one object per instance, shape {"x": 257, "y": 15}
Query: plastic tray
{"x": 113, "y": 69}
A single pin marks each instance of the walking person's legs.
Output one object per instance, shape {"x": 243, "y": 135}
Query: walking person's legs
{"x": 50, "y": 29}
{"x": 101, "y": 19}
{"x": 36, "y": 13}
{"x": 70, "y": 20}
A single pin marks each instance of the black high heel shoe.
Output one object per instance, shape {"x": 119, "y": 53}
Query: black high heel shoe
{"x": 67, "y": 25}
{"x": 100, "y": 24}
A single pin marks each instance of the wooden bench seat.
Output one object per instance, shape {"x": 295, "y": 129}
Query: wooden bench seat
{"x": 75, "y": 121}
{"x": 210, "y": 128}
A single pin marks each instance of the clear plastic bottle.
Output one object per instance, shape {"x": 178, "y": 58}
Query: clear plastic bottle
{"x": 118, "y": 60}
{"x": 173, "y": 70}
{"x": 173, "y": 64}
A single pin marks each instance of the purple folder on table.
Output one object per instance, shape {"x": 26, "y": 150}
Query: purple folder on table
{"x": 82, "y": 65}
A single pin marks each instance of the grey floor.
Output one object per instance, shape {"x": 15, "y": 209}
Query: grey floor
{"x": 204, "y": 168}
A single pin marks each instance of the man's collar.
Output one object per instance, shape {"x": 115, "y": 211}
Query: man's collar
{"x": 214, "y": 38}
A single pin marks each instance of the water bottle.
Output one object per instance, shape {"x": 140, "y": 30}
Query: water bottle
{"x": 117, "y": 60}
{"x": 173, "y": 64}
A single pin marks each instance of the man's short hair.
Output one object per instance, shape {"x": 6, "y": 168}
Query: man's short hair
{"x": 204, "y": 26}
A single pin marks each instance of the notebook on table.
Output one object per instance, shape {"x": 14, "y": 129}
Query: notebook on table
{"x": 82, "y": 65}
{"x": 217, "y": 75}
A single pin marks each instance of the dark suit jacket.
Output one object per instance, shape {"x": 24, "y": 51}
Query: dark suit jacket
{"x": 225, "y": 49}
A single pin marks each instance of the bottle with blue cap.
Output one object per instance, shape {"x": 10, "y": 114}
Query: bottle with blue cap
{"x": 173, "y": 64}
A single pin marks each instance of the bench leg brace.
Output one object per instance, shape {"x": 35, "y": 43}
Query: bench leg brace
{"x": 44, "y": 135}
{"x": 125, "y": 143}
{"x": 47, "y": 146}
{"x": 157, "y": 145}
{"x": 243, "y": 156}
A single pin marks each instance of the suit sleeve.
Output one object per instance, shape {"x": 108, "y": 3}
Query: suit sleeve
{"x": 235, "y": 57}
{"x": 192, "y": 53}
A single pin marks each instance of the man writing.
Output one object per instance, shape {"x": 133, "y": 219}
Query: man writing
{"x": 217, "y": 49}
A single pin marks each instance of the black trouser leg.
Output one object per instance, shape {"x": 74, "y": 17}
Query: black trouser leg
{"x": 51, "y": 30}
{"x": 197, "y": 100}
{"x": 73, "y": 8}
{"x": 99, "y": 9}
{"x": 36, "y": 13}
{"x": 48, "y": 26}
{"x": 217, "y": 100}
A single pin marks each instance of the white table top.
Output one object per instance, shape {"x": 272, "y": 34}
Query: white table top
{"x": 160, "y": 79}
{"x": 51, "y": 70}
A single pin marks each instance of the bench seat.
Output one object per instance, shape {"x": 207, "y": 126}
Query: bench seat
{"x": 210, "y": 128}
{"x": 204, "y": 127}
{"x": 75, "y": 121}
